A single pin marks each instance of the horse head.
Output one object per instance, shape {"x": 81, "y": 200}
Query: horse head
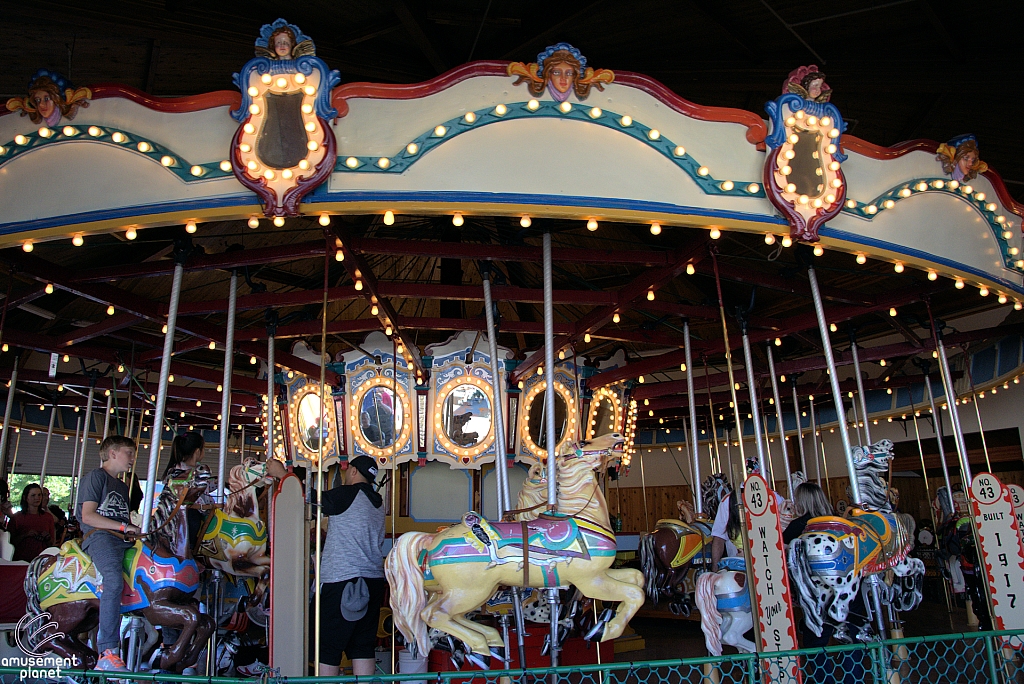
{"x": 715, "y": 488}
{"x": 599, "y": 451}
{"x": 871, "y": 464}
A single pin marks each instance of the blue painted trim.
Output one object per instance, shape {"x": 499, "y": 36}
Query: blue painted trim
{"x": 544, "y": 200}
{"x": 796, "y": 103}
{"x": 918, "y": 254}
{"x": 181, "y": 167}
{"x": 129, "y": 212}
{"x": 546, "y": 109}
{"x": 303, "y": 65}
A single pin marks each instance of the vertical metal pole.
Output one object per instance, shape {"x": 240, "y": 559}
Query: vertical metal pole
{"x": 977, "y": 410}
{"x": 755, "y": 405}
{"x": 814, "y": 443}
{"x": 714, "y": 429}
{"x": 856, "y": 421}
{"x": 46, "y": 450}
{"x": 225, "y": 397}
{"x": 272, "y": 396}
{"x": 937, "y": 424}
{"x": 643, "y": 489}
{"x": 6, "y": 430}
{"x": 837, "y": 395}
{"x": 954, "y": 414}
{"x": 860, "y": 390}
{"x": 317, "y": 539}
{"x": 85, "y": 430}
{"x": 549, "y": 399}
{"x": 778, "y": 417}
{"x": 161, "y": 396}
{"x": 692, "y": 399}
{"x": 799, "y": 433}
{"x": 500, "y": 459}
{"x": 76, "y": 466}
{"x": 728, "y": 366}
{"x": 106, "y": 417}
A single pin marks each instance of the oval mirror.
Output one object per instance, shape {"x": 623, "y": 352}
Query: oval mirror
{"x": 380, "y": 417}
{"x": 538, "y": 419}
{"x": 604, "y": 418}
{"x": 467, "y": 416}
{"x": 312, "y": 425}
{"x": 808, "y": 172}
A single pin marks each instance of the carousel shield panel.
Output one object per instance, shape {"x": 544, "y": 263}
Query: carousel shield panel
{"x": 281, "y": 143}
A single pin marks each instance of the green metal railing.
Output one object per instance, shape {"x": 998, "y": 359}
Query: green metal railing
{"x": 971, "y": 658}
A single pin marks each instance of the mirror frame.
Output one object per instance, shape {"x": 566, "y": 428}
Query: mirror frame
{"x": 604, "y": 394}
{"x": 570, "y": 414}
{"x": 293, "y": 422}
{"x": 442, "y": 396}
{"x": 403, "y": 437}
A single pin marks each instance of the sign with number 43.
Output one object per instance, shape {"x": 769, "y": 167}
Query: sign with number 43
{"x": 999, "y": 535}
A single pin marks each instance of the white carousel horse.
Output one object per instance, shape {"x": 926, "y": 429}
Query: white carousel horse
{"x": 437, "y": 578}
{"x": 724, "y": 603}
{"x": 235, "y": 539}
{"x": 828, "y": 561}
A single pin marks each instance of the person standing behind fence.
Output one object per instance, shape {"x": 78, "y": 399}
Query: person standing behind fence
{"x": 32, "y": 528}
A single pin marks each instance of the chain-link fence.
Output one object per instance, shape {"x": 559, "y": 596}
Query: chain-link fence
{"x": 972, "y": 658}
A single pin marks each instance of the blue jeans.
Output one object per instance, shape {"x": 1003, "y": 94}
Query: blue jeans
{"x": 107, "y": 554}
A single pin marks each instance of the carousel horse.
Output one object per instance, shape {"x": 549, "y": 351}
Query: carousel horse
{"x": 234, "y": 539}
{"x": 724, "y": 603}
{"x": 160, "y": 579}
{"x": 669, "y": 552}
{"x": 437, "y": 578}
{"x": 828, "y": 561}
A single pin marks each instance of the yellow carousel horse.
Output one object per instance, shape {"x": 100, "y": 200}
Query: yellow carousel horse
{"x": 437, "y": 578}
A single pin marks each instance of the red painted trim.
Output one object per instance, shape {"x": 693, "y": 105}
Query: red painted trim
{"x": 176, "y": 105}
{"x": 873, "y": 151}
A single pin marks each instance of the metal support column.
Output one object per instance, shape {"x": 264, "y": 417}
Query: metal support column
{"x": 937, "y": 426}
{"x": 755, "y": 405}
{"x": 225, "y": 397}
{"x": 549, "y": 401}
{"x": 692, "y": 399}
{"x": 799, "y": 432}
{"x": 781, "y": 424}
{"x": 49, "y": 439}
{"x": 860, "y": 390}
{"x": 954, "y": 413}
{"x": 6, "y": 430}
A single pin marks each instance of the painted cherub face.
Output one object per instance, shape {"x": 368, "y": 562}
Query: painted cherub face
{"x": 283, "y": 45}
{"x": 814, "y": 88}
{"x": 43, "y": 102}
{"x": 562, "y": 76}
{"x": 967, "y": 162}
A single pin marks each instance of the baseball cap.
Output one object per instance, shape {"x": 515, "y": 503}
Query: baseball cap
{"x": 366, "y": 466}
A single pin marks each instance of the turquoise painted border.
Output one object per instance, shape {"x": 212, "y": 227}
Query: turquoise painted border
{"x": 181, "y": 168}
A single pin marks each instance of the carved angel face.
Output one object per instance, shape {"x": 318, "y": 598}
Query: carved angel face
{"x": 43, "y": 102}
{"x": 967, "y": 162}
{"x": 283, "y": 45}
{"x": 561, "y": 76}
{"x": 814, "y": 88}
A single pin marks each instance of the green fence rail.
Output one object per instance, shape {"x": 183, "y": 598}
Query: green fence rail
{"x": 970, "y": 658}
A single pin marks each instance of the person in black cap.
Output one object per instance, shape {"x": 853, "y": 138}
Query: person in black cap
{"x": 351, "y": 571}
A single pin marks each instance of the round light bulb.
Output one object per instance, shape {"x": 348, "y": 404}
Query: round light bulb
{"x": 49, "y": 288}
{"x": 592, "y": 225}
{"x": 254, "y": 222}
{"x": 325, "y": 219}
{"x": 78, "y": 240}
{"x": 190, "y": 227}
{"x": 715, "y": 233}
{"x": 898, "y": 267}
{"x": 655, "y": 228}
{"x": 525, "y": 222}
{"x": 389, "y": 218}
{"x": 457, "y": 219}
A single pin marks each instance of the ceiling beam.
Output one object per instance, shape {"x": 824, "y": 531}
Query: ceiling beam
{"x": 111, "y": 324}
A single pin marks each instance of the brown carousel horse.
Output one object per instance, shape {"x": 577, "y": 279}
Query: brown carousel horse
{"x": 160, "y": 579}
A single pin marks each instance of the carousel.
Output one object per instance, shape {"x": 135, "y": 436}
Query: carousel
{"x": 572, "y": 317}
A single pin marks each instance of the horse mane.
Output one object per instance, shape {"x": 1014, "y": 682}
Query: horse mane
{"x": 241, "y": 502}
{"x": 712, "y": 491}
{"x": 871, "y": 464}
{"x": 574, "y": 474}
{"x": 165, "y": 506}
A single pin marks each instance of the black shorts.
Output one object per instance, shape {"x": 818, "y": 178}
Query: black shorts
{"x": 337, "y": 635}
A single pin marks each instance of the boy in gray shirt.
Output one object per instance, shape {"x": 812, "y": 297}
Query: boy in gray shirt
{"x": 103, "y": 508}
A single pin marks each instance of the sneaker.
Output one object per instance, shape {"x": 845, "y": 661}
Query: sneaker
{"x": 251, "y": 670}
{"x": 110, "y": 661}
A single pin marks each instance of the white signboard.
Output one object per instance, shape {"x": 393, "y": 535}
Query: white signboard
{"x": 999, "y": 536}
{"x": 1017, "y": 497}
{"x": 772, "y": 597}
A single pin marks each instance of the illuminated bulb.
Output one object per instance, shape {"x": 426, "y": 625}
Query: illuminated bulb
{"x": 95, "y": 131}
{"x": 120, "y": 368}
{"x": 592, "y": 225}
{"x": 254, "y": 222}
{"x": 252, "y": 360}
{"x": 818, "y": 250}
{"x": 225, "y": 165}
{"x": 131, "y": 234}
{"x": 389, "y": 218}
{"x": 144, "y": 146}
{"x": 561, "y": 355}
{"x": 339, "y": 255}
{"x": 787, "y": 241}
{"x": 77, "y": 241}
{"x": 457, "y": 219}
{"x": 1002, "y": 299}
{"x": 325, "y": 220}
{"x": 220, "y": 388}
{"x": 351, "y": 162}
{"x": 680, "y": 151}
{"x": 374, "y": 310}
{"x": 164, "y": 329}
{"x": 690, "y": 270}
{"x": 715, "y": 233}
{"x": 727, "y": 186}
{"x": 566, "y": 107}
{"x": 383, "y": 162}
{"x": 533, "y": 105}
{"x": 501, "y": 110}
{"x": 778, "y": 341}
{"x": 190, "y": 227}
{"x": 279, "y": 221}
{"x": 359, "y": 285}
{"x": 980, "y": 196}
{"x": 586, "y": 337}
{"x": 790, "y": 187}
{"x": 703, "y": 171}
{"x": 615, "y": 318}
{"x": 525, "y": 222}
{"x": 983, "y": 291}
{"x": 640, "y": 379}
{"x": 213, "y": 345}
{"x": 49, "y": 288}
{"x": 110, "y": 310}
{"x": 626, "y": 121}
{"x": 167, "y": 161}
{"x": 769, "y": 239}
{"x": 861, "y": 259}
{"x": 650, "y": 296}
{"x": 117, "y": 137}
{"x": 833, "y": 327}
{"x": 881, "y": 362}
{"x": 959, "y": 284}
{"x": 932, "y": 275}
{"x": 892, "y": 311}
{"x": 654, "y": 134}
{"x": 440, "y": 131}
{"x": 655, "y": 228}
{"x": 1017, "y": 305}
{"x": 898, "y": 267}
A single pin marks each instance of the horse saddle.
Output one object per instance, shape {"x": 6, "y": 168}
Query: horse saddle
{"x": 550, "y": 536}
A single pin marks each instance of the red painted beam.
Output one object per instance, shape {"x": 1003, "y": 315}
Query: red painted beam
{"x": 111, "y": 324}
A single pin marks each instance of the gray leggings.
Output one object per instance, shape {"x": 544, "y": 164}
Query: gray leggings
{"x": 107, "y": 554}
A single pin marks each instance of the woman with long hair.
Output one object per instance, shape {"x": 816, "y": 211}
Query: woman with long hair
{"x": 32, "y": 528}
{"x": 186, "y": 454}
{"x": 809, "y": 501}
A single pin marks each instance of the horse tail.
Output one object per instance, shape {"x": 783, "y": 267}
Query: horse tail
{"x": 408, "y": 596}
{"x": 800, "y": 574}
{"x": 31, "y": 583}
{"x": 710, "y": 618}
{"x": 649, "y": 566}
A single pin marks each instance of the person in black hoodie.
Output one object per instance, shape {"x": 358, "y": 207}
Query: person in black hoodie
{"x": 351, "y": 571}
